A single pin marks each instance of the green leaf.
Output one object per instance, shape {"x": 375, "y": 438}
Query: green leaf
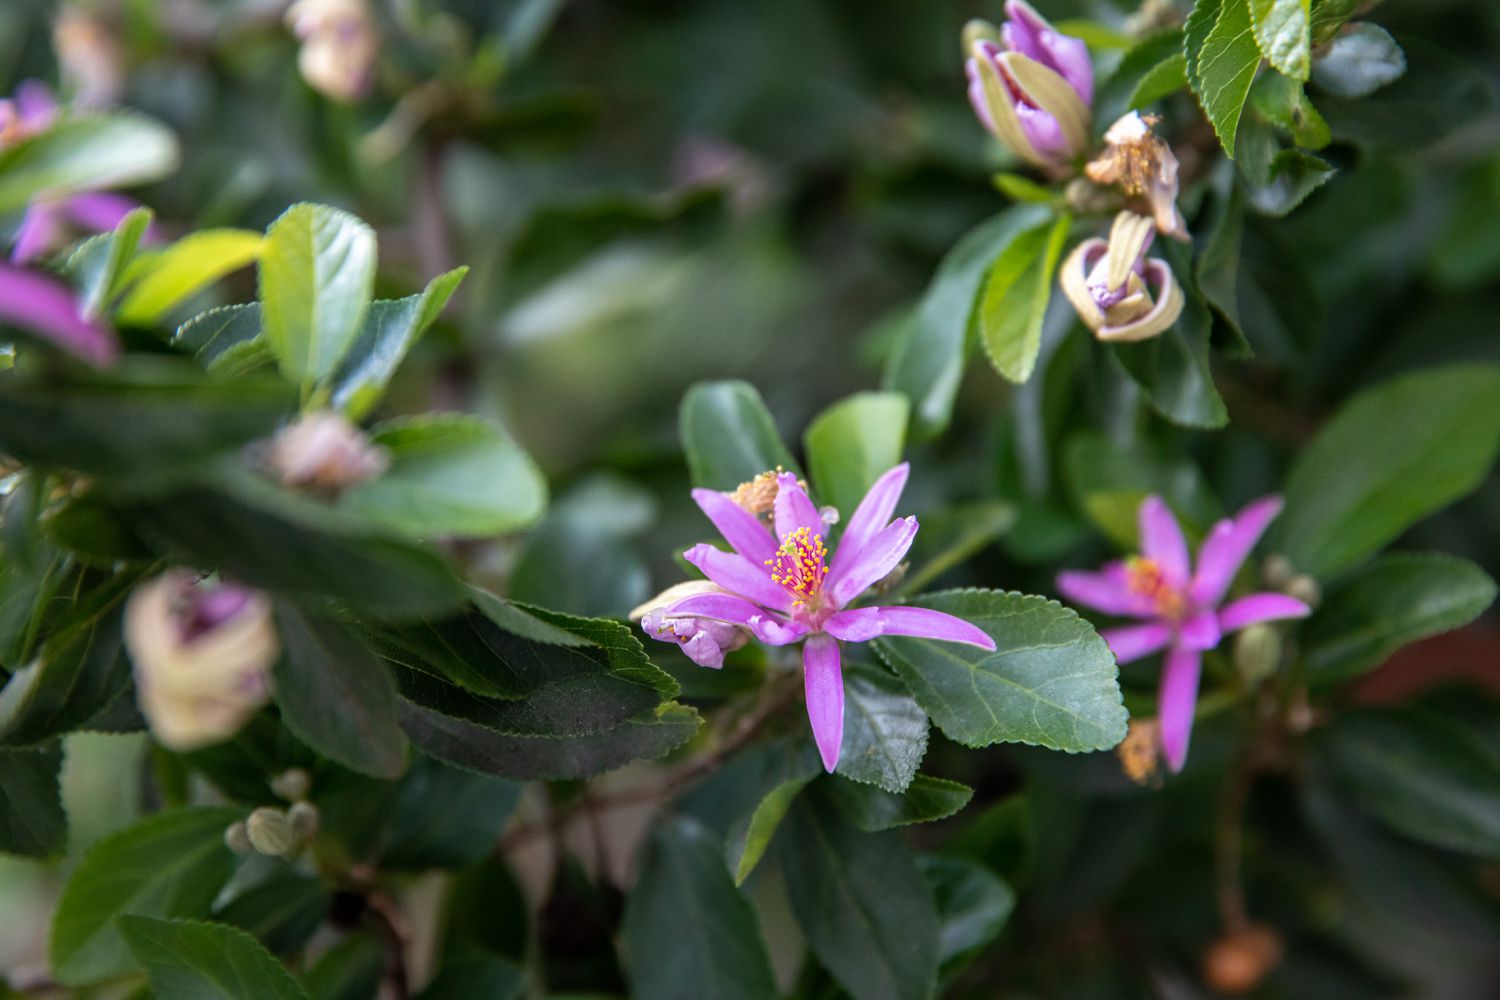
{"x": 163, "y": 279}
{"x": 926, "y": 799}
{"x": 1018, "y": 187}
{"x": 1283, "y": 102}
{"x": 32, "y": 820}
{"x": 1438, "y": 94}
{"x": 791, "y": 766}
{"x": 350, "y": 970}
{"x": 450, "y": 475}
{"x": 1162, "y": 80}
{"x": 316, "y": 275}
{"x": 973, "y": 904}
{"x": 688, "y": 933}
{"x": 885, "y": 730}
{"x": 1116, "y": 94}
{"x": 189, "y": 958}
{"x": 1362, "y": 59}
{"x": 99, "y": 263}
{"x": 145, "y": 417}
{"x": 465, "y": 744}
{"x": 951, "y": 536}
{"x": 928, "y": 364}
{"x": 728, "y": 435}
{"x": 1423, "y": 775}
{"x": 862, "y": 902}
{"x": 1277, "y": 179}
{"x": 1051, "y": 680}
{"x": 1222, "y": 57}
{"x": 1391, "y": 601}
{"x": 282, "y": 912}
{"x": 390, "y": 330}
{"x": 336, "y": 695}
{"x": 853, "y": 443}
{"x": 1108, "y": 480}
{"x": 219, "y": 336}
{"x": 471, "y": 978}
{"x": 85, "y": 153}
{"x": 1015, "y": 297}
{"x": 442, "y": 817}
{"x": 1283, "y": 32}
{"x": 1328, "y": 16}
{"x": 1393, "y": 454}
{"x": 169, "y": 865}
{"x": 80, "y": 671}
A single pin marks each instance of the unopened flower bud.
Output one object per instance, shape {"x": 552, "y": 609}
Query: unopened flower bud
{"x": 1119, "y": 292}
{"x": 339, "y": 46}
{"x": 270, "y": 831}
{"x": 1257, "y": 653}
{"x": 323, "y": 452}
{"x": 304, "y": 819}
{"x": 976, "y": 31}
{"x": 1240, "y": 960}
{"x": 292, "y": 785}
{"x": 1305, "y": 589}
{"x": 237, "y": 839}
{"x": 704, "y": 640}
{"x": 1278, "y": 571}
{"x": 202, "y": 653}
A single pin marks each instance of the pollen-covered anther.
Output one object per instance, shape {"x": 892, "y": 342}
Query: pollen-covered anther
{"x": 1145, "y": 577}
{"x": 758, "y": 496}
{"x": 799, "y": 565}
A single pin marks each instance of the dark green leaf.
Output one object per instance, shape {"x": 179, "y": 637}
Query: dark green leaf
{"x": 170, "y": 865}
{"x": 688, "y": 933}
{"x": 92, "y": 529}
{"x": 728, "y": 435}
{"x": 1277, "y": 179}
{"x": 189, "y": 958}
{"x": 1358, "y": 62}
{"x": 929, "y": 362}
{"x": 350, "y": 970}
{"x": 32, "y": 820}
{"x": 1114, "y": 95}
{"x": 219, "y": 337}
{"x": 337, "y": 695}
{"x": 486, "y": 912}
{"x": 475, "y": 978}
{"x": 79, "y": 672}
{"x": 1396, "y": 599}
{"x": 1222, "y": 58}
{"x": 1281, "y": 101}
{"x": 790, "y": 767}
{"x": 926, "y": 799}
{"x": 973, "y": 904}
{"x": 1374, "y": 470}
{"x": 85, "y": 153}
{"x": 1050, "y": 682}
{"x": 282, "y": 912}
{"x": 442, "y": 817}
{"x": 885, "y": 730}
{"x": 1438, "y": 94}
{"x": 1014, "y": 299}
{"x": 853, "y": 443}
{"x": 862, "y": 902}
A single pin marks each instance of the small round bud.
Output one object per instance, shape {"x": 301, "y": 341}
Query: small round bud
{"x": 1277, "y": 570}
{"x": 1238, "y": 961}
{"x": 1257, "y": 653}
{"x": 322, "y": 452}
{"x": 1305, "y": 589}
{"x": 237, "y": 840}
{"x": 304, "y": 820}
{"x": 270, "y": 830}
{"x": 292, "y": 785}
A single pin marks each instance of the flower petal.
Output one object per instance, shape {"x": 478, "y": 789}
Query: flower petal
{"x": 774, "y": 632}
{"x": 794, "y": 509}
{"x": 39, "y": 232}
{"x": 1200, "y": 632}
{"x": 1162, "y": 541}
{"x": 1107, "y": 590}
{"x": 738, "y": 575}
{"x": 1227, "y": 545}
{"x": 48, "y": 308}
{"x": 863, "y": 624}
{"x": 1135, "y": 641}
{"x": 873, "y": 513}
{"x": 823, "y": 679}
{"x": 720, "y": 607}
{"x": 1260, "y": 608}
{"x": 872, "y": 562}
{"x": 1176, "y": 703}
{"x": 100, "y": 211}
{"x": 740, "y": 528}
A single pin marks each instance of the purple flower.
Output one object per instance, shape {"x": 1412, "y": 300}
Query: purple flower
{"x": 48, "y": 308}
{"x": 789, "y": 587}
{"x": 1184, "y": 607}
{"x": 1030, "y": 85}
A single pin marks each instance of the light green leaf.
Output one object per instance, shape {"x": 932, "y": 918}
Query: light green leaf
{"x": 98, "y": 265}
{"x": 926, "y": 799}
{"x": 337, "y": 696}
{"x": 170, "y": 865}
{"x": 1328, "y": 16}
{"x": 162, "y": 279}
{"x": 853, "y": 443}
{"x": 391, "y": 329}
{"x": 1015, "y": 297}
{"x": 885, "y": 730}
{"x": 202, "y": 961}
{"x": 1282, "y": 30}
{"x": 1051, "y": 680}
{"x": 1393, "y": 454}
{"x": 749, "y": 844}
{"x": 688, "y": 933}
{"x": 85, "y": 153}
{"x": 728, "y": 435}
{"x": 1394, "y": 600}
{"x": 316, "y": 274}
{"x": 32, "y": 820}
{"x": 1115, "y": 93}
{"x": 450, "y": 475}
{"x": 1222, "y": 57}
{"x": 1361, "y": 60}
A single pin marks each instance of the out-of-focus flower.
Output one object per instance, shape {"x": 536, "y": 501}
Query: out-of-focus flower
{"x": 1030, "y": 85}
{"x": 1118, "y": 292}
{"x": 704, "y": 640}
{"x": 1140, "y": 750}
{"x": 1239, "y": 961}
{"x": 1144, "y": 167}
{"x": 323, "y": 452}
{"x": 48, "y": 308}
{"x": 202, "y": 653}
{"x": 339, "y": 46}
{"x": 1182, "y": 604}
{"x": 93, "y": 65}
{"x": 784, "y": 586}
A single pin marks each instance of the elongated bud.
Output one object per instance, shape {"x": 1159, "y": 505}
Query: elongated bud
{"x": 1257, "y": 653}
{"x": 237, "y": 839}
{"x": 292, "y": 785}
{"x": 270, "y": 831}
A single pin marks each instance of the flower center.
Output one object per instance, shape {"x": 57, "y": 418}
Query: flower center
{"x": 798, "y": 566}
{"x": 1145, "y": 577}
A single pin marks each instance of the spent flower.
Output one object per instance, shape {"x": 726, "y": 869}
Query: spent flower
{"x": 1183, "y": 606}
{"x": 1120, "y": 293}
{"x": 784, "y": 585}
{"x": 339, "y": 46}
{"x": 1144, "y": 167}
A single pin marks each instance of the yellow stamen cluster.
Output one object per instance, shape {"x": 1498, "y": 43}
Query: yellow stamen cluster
{"x": 799, "y": 565}
{"x": 1146, "y": 578}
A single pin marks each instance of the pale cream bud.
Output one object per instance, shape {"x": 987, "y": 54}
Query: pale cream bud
{"x": 237, "y": 839}
{"x": 323, "y": 452}
{"x": 270, "y": 830}
{"x": 292, "y": 785}
{"x": 304, "y": 818}
{"x": 339, "y": 46}
{"x": 1257, "y": 653}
